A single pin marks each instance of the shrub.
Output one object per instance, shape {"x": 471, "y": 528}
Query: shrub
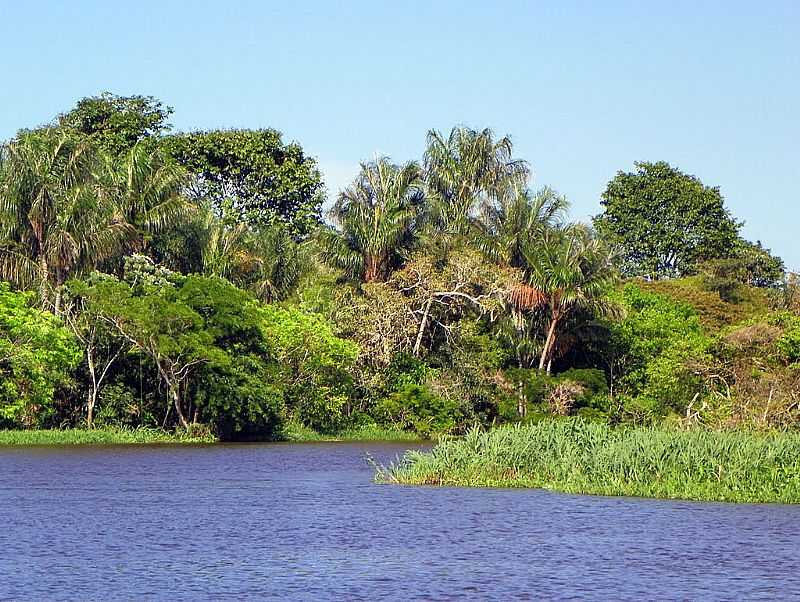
{"x": 654, "y": 349}
{"x": 37, "y": 356}
{"x": 789, "y": 342}
{"x": 416, "y": 408}
{"x": 242, "y": 398}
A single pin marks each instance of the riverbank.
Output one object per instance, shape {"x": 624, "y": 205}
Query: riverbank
{"x": 293, "y": 432}
{"x": 100, "y": 436}
{"x": 575, "y": 456}
{"x": 297, "y": 433}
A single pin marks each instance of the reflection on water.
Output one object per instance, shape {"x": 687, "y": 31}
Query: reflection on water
{"x": 306, "y": 522}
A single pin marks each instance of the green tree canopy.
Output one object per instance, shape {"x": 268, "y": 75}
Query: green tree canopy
{"x": 665, "y": 222}
{"x": 251, "y": 176}
{"x": 117, "y": 123}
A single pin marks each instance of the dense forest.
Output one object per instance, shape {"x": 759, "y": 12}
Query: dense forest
{"x": 193, "y": 281}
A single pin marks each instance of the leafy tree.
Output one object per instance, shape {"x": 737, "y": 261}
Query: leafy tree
{"x": 57, "y": 219}
{"x": 465, "y": 170}
{"x": 314, "y": 364}
{"x": 664, "y": 222}
{"x": 37, "y": 355}
{"x": 160, "y": 326}
{"x": 761, "y": 268}
{"x": 252, "y": 176}
{"x": 377, "y": 219}
{"x": 117, "y": 123}
{"x": 101, "y": 348}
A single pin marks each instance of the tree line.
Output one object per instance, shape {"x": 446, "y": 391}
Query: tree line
{"x": 192, "y": 280}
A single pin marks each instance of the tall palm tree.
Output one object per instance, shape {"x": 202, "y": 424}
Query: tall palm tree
{"x": 376, "y": 219}
{"x": 149, "y": 190}
{"x": 572, "y": 271}
{"x": 57, "y": 217}
{"x": 506, "y": 227}
{"x": 466, "y": 169}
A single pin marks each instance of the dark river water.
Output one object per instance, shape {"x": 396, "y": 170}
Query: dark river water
{"x": 306, "y": 522}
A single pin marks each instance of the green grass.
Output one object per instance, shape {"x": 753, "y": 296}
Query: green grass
{"x": 299, "y": 433}
{"x": 575, "y": 456}
{"x": 293, "y": 432}
{"x": 99, "y": 436}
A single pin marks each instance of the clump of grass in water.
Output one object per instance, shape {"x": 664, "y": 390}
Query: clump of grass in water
{"x": 101, "y": 436}
{"x": 575, "y": 456}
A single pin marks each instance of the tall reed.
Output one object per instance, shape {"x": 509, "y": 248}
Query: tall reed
{"x": 576, "y": 456}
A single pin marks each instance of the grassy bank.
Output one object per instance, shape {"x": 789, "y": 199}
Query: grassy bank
{"x": 298, "y": 433}
{"x": 99, "y": 436}
{"x": 293, "y": 432}
{"x": 575, "y": 456}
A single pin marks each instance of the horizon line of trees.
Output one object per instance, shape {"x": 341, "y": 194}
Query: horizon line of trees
{"x": 200, "y": 262}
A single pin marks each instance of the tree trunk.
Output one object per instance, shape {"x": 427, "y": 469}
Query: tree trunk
{"x": 93, "y": 391}
{"x": 372, "y": 269}
{"x": 422, "y": 325}
{"x": 44, "y": 272}
{"x": 548, "y": 344}
{"x": 57, "y": 303}
{"x": 90, "y": 409}
{"x": 176, "y": 398}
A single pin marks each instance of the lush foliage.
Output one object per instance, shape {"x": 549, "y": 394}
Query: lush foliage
{"x": 664, "y": 221}
{"x": 117, "y": 123}
{"x": 37, "y": 355}
{"x": 184, "y": 283}
{"x": 251, "y": 175}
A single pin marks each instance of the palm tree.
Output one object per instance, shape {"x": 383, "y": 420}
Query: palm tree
{"x": 376, "y": 219}
{"x": 465, "y": 170}
{"x": 149, "y": 191}
{"x": 508, "y": 226}
{"x": 572, "y": 271}
{"x": 57, "y": 217}
{"x": 266, "y": 261}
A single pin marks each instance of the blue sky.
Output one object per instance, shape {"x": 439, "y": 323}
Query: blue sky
{"x": 584, "y": 88}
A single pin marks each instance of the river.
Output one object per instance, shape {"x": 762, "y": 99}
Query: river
{"x": 306, "y": 522}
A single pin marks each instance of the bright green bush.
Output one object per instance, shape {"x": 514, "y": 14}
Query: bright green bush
{"x": 314, "y": 365}
{"x": 652, "y": 352}
{"x": 788, "y": 344}
{"x": 37, "y": 356}
{"x": 416, "y": 408}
